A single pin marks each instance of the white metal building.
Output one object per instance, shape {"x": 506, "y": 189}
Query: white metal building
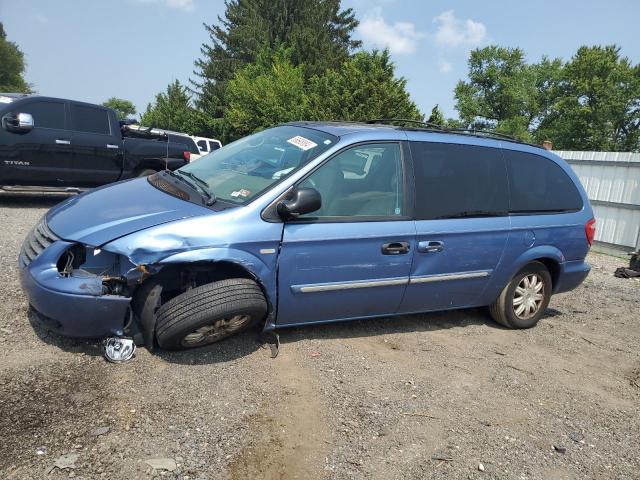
{"x": 612, "y": 182}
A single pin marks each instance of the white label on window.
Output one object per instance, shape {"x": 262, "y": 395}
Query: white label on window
{"x": 4, "y": 99}
{"x": 302, "y": 143}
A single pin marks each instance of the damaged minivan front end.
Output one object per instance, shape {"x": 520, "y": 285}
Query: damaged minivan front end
{"x": 78, "y": 290}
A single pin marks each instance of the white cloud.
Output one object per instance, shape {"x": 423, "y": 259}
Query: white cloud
{"x": 400, "y": 38}
{"x": 445, "y": 67}
{"x": 184, "y": 5}
{"x": 454, "y": 32}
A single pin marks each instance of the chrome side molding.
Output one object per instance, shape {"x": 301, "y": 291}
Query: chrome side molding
{"x": 449, "y": 276}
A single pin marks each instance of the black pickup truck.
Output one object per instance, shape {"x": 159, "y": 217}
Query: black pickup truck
{"x": 56, "y": 144}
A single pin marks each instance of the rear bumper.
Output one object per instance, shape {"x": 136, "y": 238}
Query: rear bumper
{"x": 72, "y": 306}
{"x": 571, "y": 275}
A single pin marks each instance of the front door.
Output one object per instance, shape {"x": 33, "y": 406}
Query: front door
{"x": 351, "y": 258}
{"x": 41, "y": 157}
{"x": 462, "y": 225}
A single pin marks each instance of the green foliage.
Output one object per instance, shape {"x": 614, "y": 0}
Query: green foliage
{"x": 12, "y": 66}
{"x": 591, "y": 102}
{"x": 501, "y": 93}
{"x": 172, "y": 110}
{"x": 268, "y": 92}
{"x": 123, "y": 108}
{"x": 273, "y": 91}
{"x": 598, "y": 103}
{"x": 436, "y": 117}
{"x": 317, "y": 32}
{"x": 363, "y": 88}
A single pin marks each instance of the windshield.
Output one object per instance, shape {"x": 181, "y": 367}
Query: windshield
{"x": 242, "y": 170}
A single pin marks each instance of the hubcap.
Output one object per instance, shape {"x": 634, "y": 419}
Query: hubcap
{"x": 528, "y": 296}
{"x": 216, "y": 331}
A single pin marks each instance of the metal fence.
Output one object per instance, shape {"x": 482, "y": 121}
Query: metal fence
{"x": 612, "y": 182}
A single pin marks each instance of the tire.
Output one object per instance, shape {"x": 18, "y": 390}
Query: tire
{"x": 209, "y": 313}
{"x": 144, "y": 173}
{"x": 503, "y": 310}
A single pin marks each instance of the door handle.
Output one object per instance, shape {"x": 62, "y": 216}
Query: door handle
{"x": 430, "y": 246}
{"x": 110, "y": 145}
{"x": 62, "y": 141}
{"x": 395, "y": 248}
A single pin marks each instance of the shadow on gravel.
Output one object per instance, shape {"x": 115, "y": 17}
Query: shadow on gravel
{"x": 232, "y": 348}
{"x": 422, "y": 322}
{"x": 247, "y": 343}
{"x": 14, "y": 200}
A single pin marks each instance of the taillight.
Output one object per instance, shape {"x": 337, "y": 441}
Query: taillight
{"x": 187, "y": 156}
{"x": 590, "y": 230}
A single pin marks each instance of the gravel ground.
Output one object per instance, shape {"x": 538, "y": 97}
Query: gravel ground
{"x": 446, "y": 395}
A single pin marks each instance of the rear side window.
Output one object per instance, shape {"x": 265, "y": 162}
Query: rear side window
{"x": 539, "y": 185}
{"x": 187, "y": 142}
{"x": 202, "y": 145}
{"x": 214, "y": 146}
{"x": 89, "y": 119}
{"x": 45, "y": 114}
{"x": 457, "y": 181}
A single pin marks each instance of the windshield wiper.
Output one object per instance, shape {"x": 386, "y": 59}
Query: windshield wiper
{"x": 473, "y": 213}
{"x": 197, "y": 185}
{"x": 204, "y": 186}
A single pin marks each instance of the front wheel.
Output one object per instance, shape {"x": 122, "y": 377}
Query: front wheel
{"x": 209, "y": 313}
{"x": 523, "y": 301}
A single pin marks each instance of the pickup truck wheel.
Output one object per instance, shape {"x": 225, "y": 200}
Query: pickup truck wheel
{"x": 209, "y": 313}
{"x": 144, "y": 173}
{"x": 525, "y": 298}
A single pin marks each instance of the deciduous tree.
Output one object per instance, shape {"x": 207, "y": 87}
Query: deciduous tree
{"x": 12, "y": 66}
{"x": 123, "y": 108}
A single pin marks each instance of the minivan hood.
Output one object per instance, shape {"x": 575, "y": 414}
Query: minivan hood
{"x": 106, "y": 213}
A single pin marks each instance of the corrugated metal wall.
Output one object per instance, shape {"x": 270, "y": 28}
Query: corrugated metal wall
{"x": 612, "y": 182}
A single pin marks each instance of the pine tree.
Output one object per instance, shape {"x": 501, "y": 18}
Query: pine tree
{"x": 318, "y": 32}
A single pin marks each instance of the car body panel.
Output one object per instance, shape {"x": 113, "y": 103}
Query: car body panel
{"x": 104, "y": 214}
{"x": 325, "y": 265}
{"x": 458, "y": 274}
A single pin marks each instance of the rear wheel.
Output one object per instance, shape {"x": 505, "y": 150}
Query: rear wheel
{"x": 523, "y": 301}
{"x": 209, "y": 313}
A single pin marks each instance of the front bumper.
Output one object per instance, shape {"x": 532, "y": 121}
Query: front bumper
{"x": 73, "y": 306}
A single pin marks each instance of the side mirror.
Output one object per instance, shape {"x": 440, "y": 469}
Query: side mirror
{"x": 17, "y": 122}
{"x": 303, "y": 200}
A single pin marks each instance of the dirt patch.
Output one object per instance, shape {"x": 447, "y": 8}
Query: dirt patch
{"x": 39, "y": 405}
{"x": 289, "y": 440}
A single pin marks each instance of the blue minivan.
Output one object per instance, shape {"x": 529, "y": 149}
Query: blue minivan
{"x": 313, "y": 222}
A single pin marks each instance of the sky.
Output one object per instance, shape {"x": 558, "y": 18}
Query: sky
{"x": 91, "y": 50}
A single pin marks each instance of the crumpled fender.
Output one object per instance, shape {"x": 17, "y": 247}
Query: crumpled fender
{"x": 154, "y": 260}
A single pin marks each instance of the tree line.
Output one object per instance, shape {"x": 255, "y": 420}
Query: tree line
{"x": 273, "y": 61}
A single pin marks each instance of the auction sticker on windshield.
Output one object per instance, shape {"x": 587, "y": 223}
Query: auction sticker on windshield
{"x": 302, "y": 143}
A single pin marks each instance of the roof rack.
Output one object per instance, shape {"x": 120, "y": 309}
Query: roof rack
{"x": 391, "y": 121}
{"x": 461, "y": 131}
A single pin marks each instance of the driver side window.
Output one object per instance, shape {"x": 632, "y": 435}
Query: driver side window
{"x": 363, "y": 181}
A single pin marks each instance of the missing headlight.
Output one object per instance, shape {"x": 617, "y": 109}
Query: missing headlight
{"x": 71, "y": 260}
